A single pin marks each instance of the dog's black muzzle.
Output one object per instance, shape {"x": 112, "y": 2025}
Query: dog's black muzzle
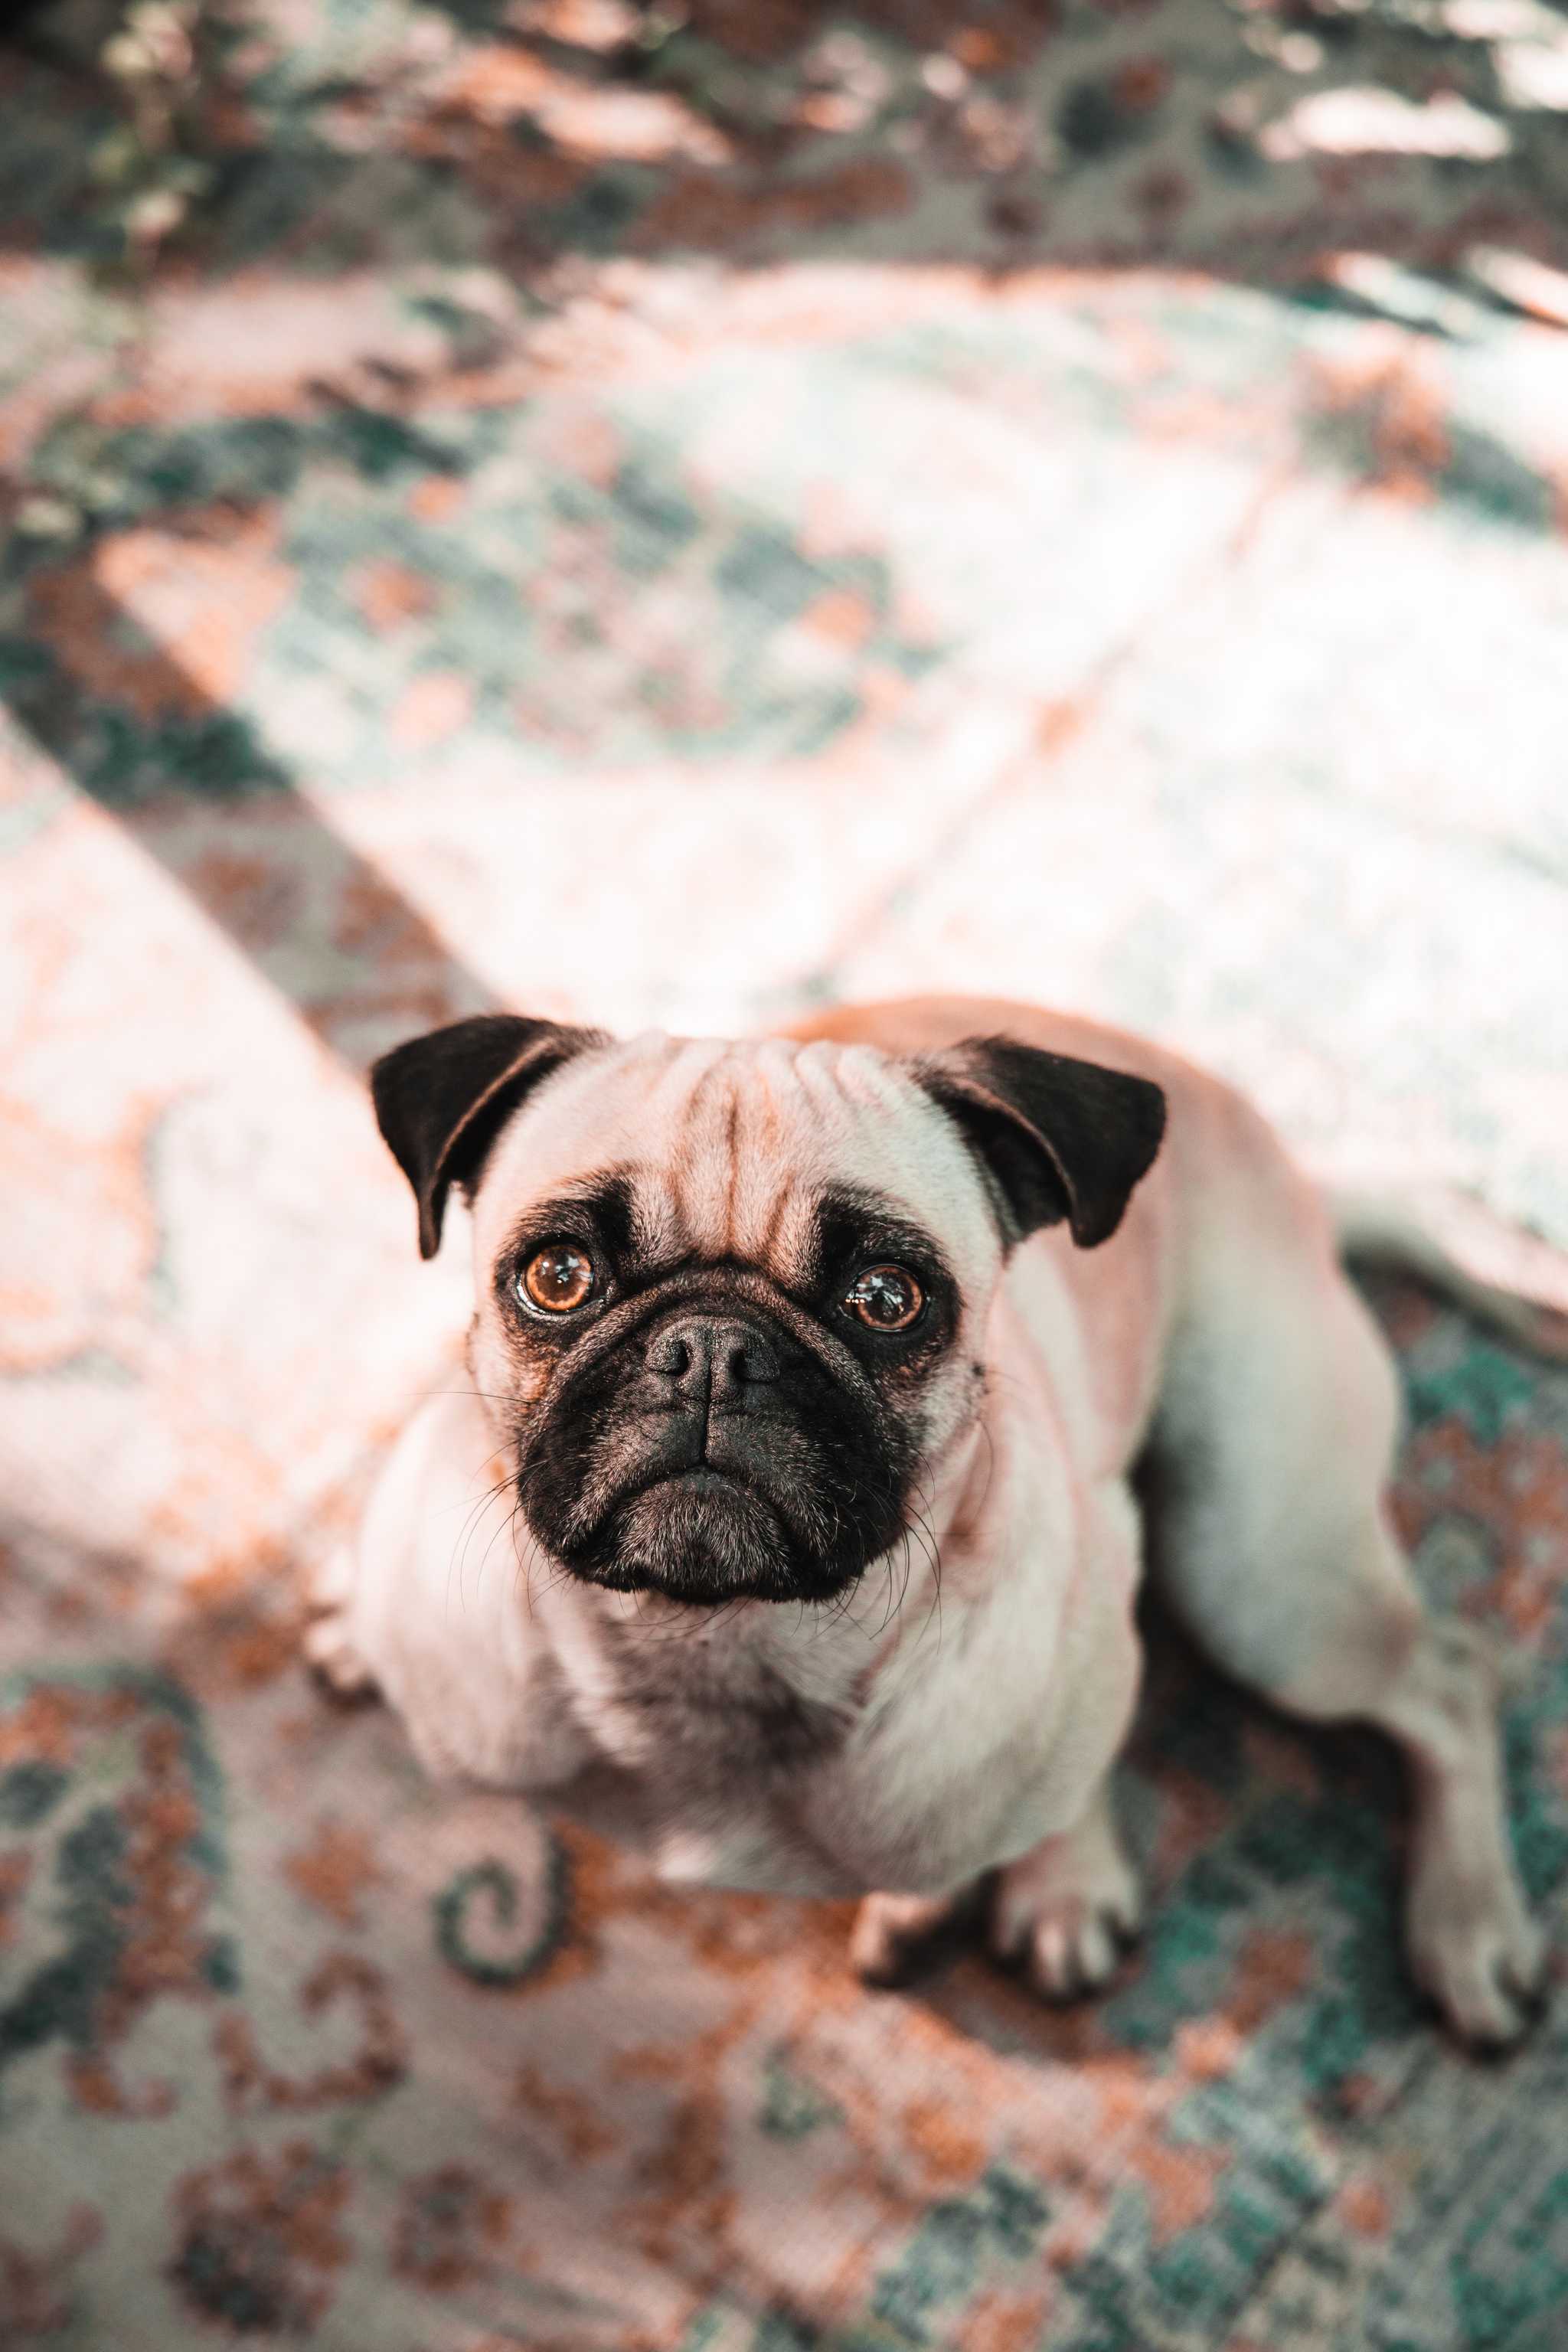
{"x": 711, "y": 1443}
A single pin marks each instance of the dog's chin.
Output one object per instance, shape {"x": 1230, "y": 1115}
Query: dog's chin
{"x": 704, "y": 1540}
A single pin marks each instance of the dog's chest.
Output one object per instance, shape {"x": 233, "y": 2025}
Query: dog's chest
{"x": 703, "y": 1710}
{"x": 788, "y": 1773}
{"x": 709, "y": 1749}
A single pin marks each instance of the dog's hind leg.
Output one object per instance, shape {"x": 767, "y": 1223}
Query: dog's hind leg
{"x": 1272, "y": 1542}
{"x": 1472, "y": 1944}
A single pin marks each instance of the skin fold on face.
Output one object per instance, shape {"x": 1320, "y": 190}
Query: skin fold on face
{"x": 713, "y": 1431}
{"x": 727, "y": 1359}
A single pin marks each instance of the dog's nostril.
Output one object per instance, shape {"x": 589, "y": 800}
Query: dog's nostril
{"x": 751, "y": 1358}
{"x": 670, "y": 1354}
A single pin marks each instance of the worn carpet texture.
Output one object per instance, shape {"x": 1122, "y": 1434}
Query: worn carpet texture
{"x": 672, "y": 514}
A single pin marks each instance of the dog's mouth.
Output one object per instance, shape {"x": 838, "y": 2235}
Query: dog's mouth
{"x": 705, "y": 1536}
{"x": 701, "y": 1478}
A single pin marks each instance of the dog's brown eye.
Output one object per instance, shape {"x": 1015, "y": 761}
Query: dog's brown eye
{"x": 886, "y": 1298}
{"x": 556, "y": 1279}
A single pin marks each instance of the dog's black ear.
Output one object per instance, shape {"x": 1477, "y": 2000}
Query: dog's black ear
{"x": 1060, "y": 1138}
{"x": 440, "y": 1099}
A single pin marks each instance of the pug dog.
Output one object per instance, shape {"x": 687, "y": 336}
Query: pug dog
{"x": 789, "y": 1523}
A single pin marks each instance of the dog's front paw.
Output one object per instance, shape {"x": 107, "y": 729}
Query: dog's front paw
{"x": 1066, "y": 1911}
{"x": 330, "y": 1652}
{"x": 1480, "y": 1958}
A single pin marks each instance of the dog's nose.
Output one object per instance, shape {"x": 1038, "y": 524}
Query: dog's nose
{"x": 715, "y": 1358}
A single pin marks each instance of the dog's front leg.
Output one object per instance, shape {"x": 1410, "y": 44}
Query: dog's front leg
{"x": 1065, "y": 1910}
{"x": 331, "y": 1648}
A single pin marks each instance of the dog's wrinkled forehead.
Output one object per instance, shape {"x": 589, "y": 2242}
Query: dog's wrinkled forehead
{"x": 733, "y": 1144}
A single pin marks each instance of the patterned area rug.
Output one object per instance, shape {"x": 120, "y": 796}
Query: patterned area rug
{"x": 675, "y": 514}
{"x": 294, "y": 2046}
